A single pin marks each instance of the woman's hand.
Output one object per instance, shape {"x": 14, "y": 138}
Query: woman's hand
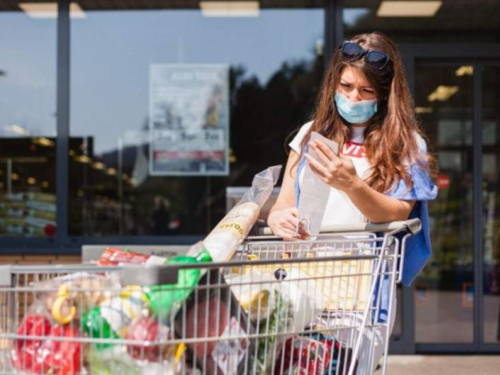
{"x": 284, "y": 222}
{"x": 336, "y": 171}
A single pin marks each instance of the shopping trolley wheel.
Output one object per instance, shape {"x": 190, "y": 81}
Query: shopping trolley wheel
{"x": 280, "y": 274}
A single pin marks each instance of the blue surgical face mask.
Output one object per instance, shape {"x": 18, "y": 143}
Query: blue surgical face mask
{"x": 355, "y": 112}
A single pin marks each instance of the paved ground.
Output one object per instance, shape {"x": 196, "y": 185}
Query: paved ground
{"x": 442, "y": 365}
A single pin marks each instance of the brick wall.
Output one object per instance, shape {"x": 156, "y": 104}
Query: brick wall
{"x": 40, "y": 259}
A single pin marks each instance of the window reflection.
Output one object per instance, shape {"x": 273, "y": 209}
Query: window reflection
{"x": 275, "y": 64}
{"x": 444, "y": 290}
{"x": 27, "y": 123}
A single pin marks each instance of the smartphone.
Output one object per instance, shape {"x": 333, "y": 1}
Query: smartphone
{"x": 334, "y": 146}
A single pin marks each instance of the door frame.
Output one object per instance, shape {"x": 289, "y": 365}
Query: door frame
{"x": 477, "y": 55}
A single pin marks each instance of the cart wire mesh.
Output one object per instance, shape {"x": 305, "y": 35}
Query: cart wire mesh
{"x": 321, "y": 306}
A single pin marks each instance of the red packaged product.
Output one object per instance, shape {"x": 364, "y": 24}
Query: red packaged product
{"x": 147, "y": 332}
{"x": 115, "y": 257}
{"x": 305, "y": 356}
{"x": 61, "y": 357}
{"x": 44, "y": 355}
{"x": 25, "y": 352}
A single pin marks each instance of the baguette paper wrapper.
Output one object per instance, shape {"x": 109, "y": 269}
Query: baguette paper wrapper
{"x": 230, "y": 232}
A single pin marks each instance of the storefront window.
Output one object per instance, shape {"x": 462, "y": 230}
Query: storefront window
{"x": 27, "y": 120}
{"x": 170, "y": 107}
{"x": 443, "y": 21}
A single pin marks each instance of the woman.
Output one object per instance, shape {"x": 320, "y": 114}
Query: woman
{"x": 383, "y": 172}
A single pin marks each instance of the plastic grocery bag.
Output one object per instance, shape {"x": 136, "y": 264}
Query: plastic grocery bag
{"x": 279, "y": 309}
{"x": 67, "y": 296}
{"x": 255, "y": 294}
{"x": 314, "y": 192}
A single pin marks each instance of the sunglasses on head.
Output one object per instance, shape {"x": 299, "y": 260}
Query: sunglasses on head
{"x": 352, "y": 51}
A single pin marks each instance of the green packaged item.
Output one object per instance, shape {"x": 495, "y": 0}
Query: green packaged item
{"x": 162, "y": 298}
{"x": 111, "y": 361}
{"x": 279, "y": 320}
{"x": 112, "y": 318}
{"x": 97, "y": 327}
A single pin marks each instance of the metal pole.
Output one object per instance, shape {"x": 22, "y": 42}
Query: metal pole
{"x": 63, "y": 98}
{"x": 334, "y": 29}
{"x": 478, "y": 205}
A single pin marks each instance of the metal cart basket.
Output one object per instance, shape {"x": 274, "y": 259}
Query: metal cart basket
{"x": 320, "y": 306}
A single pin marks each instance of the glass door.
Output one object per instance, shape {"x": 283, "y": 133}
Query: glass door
{"x": 444, "y": 291}
{"x": 457, "y": 296}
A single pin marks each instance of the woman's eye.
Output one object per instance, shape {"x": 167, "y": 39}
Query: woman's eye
{"x": 369, "y": 91}
{"x": 345, "y": 85}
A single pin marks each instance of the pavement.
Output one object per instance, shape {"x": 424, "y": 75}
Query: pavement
{"x": 442, "y": 365}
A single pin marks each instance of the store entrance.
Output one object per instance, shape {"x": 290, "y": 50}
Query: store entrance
{"x": 454, "y": 305}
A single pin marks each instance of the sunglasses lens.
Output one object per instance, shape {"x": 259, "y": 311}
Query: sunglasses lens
{"x": 377, "y": 59}
{"x": 351, "y": 51}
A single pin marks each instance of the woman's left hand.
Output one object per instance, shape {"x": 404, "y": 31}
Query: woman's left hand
{"x": 336, "y": 171}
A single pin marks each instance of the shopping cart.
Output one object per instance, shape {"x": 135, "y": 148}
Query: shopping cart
{"x": 320, "y": 306}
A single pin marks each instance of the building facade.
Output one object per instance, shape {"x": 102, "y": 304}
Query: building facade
{"x": 127, "y": 122}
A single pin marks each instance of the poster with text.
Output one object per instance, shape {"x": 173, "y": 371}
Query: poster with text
{"x": 189, "y": 120}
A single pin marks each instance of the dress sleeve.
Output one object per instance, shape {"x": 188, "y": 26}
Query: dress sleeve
{"x": 423, "y": 187}
{"x": 297, "y": 140}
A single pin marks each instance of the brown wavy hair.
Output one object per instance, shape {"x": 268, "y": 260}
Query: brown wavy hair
{"x": 391, "y": 138}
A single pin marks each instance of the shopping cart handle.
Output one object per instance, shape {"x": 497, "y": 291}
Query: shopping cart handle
{"x": 412, "y": 226}
{"x": 150, "y": 275}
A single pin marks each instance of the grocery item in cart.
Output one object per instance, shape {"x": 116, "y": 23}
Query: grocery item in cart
{"x": 230, "y": 232}
{"x": 341, "y": 354}
{"x": 45, "y": 355}
{"x": 64, "y": 295}
{"x": 341, "y": 284}
{"x": 112, "y": 318}
{"x": 147, "y": 332}
{"x": 112, "y": 360}
{"x": 345, "y": 284}
{"x": 116, "y": 257}
{"x": 304, "y": 355}
{"x": 25, "y": 351}
{"x": 254, "y": 291}
{"x": 165, "y": 300}
{"x": 215, "y": 327}
{"x": 116, "y": 360}
{"x": 278, "y": 308}
{"x": 271, "y": 328}
{"x": 61, "y": 355}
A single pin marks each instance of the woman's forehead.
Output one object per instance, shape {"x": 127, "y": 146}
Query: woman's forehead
{"x": 354, "y": 75}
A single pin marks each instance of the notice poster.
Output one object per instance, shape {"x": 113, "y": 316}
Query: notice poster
{"x": 189, "y": 120}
